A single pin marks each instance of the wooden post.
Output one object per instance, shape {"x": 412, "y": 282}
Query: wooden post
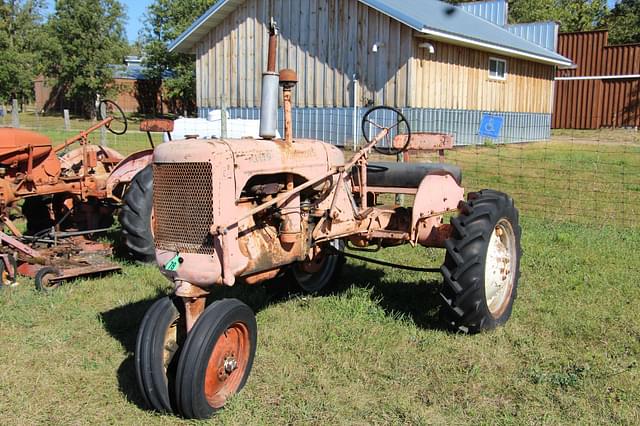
{"x": 67, "y": 121}
{"x": 15, "y": 117}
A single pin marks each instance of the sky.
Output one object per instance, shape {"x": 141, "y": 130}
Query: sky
{"x": 137, "y": 8}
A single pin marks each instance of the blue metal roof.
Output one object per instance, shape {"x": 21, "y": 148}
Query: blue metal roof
{"x": 446, "y": 22}
{"x": 433, "y": 19}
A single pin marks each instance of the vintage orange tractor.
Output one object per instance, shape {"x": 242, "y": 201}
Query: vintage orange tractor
{"x": 64, "y": 198}
{"x": 231, "y": 212}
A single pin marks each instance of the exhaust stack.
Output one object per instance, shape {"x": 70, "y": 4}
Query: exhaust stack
{"x": 270, "y": 86}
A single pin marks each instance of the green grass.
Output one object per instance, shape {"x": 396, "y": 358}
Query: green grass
{"x": 373, "y": 352}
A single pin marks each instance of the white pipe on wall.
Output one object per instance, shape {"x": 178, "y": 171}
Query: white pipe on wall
{"x": 355, "y": 112}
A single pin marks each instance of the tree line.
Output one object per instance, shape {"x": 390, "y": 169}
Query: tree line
{"x": 75, "y": 45}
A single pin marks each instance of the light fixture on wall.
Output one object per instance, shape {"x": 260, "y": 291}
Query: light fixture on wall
{"x": 430, "y": 48}
{"x": 377, "y": 46}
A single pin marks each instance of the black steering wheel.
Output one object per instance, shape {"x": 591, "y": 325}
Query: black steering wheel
{"x": 389, "y": 119}
{"x": 118, "y": 124}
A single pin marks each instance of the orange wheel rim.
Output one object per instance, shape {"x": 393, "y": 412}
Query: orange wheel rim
{"x": 227, "y": 364}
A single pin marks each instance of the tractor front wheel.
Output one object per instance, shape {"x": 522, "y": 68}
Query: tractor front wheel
{"x": 482, "y": 263}
{"x": 216, "y": 358}
{"x": 160, "y": 338}
{"x": 136, "y": 217}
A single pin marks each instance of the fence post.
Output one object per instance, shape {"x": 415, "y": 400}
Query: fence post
{"x": 67, "y": 121}
{"x": 15, "y": 118}
{"x": 223, "y": 119}
{"x": 103, "y": 129}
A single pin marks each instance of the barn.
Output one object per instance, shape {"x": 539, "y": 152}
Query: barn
{"x": 443, "y": 66}
{"x": 604, "y": 89}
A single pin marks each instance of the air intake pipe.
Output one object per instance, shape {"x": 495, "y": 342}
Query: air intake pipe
{"x": 270, "y": 88}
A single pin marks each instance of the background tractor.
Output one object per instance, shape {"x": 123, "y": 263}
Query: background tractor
{"x": 65, "y": 194}
{"x": 247, "y": 211}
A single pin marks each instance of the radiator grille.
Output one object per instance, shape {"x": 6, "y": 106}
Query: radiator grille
{"x": 183, "y": 207}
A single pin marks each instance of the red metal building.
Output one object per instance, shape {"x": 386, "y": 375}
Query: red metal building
{"x": 603, "y": 90}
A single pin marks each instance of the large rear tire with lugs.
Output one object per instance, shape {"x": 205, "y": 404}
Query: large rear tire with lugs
{"x": 136, "y": 217}
{"x": 482, "y": 263}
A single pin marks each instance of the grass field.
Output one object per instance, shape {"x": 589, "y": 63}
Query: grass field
{"x": 374, "y": 351}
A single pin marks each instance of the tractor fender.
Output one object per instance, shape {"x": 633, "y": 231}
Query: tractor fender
{"x": 127, "y": 169}
{"x": 75, "y": 157}
{"x": 438, "y": 192}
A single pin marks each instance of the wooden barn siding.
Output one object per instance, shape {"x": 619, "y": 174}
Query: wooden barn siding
{"x": 321, "y": 41}
{"x": 458, "y": 78}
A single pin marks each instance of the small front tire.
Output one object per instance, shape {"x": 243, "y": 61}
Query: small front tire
{"x": 160, "y": 338}
{"x": 44, "y": 279}
{"x": 216, "y": 359}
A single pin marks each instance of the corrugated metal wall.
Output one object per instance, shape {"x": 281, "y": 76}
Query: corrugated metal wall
{"x": 599, "y": 101}
{"x": 492, "y": 11}
{"x": 335, "y": 125}
{"x": 543, "y": 34}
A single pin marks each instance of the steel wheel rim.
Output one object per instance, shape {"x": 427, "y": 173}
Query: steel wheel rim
{"x": 170, "y": 345}
{"x": 313, "y": 275}
{"x": 227, "y": 364}
{"x": 499, "y": 275}
{"x": 45, "y": 282}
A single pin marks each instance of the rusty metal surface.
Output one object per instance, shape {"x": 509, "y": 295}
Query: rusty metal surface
{"x": 425, "y": 141}
{"x": 126, "y": 170}
{"x": 14, "y": 143}
{"x": 159, "y": 125}
{"x": 83, "y": 271}
{"x": 183, "y": 206}
{"x": 194, "y": 306}
{"x": 16, "y": 244}
{"x": 590, "y": 101}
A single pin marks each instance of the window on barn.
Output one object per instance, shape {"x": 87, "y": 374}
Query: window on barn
{"x": 497, "y": 69}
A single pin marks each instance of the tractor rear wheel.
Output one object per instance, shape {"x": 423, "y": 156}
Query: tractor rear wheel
{"x": 136, "y": 217}
{"x": 317, "y": 276}
{"x": 482, "y": 263}
{"x": 216, "y": 358}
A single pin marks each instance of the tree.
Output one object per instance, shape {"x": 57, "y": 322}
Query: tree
{"x": 572, "y": 15}
{"x": 624, "y": 22}
{"x": 22, "y": 39}
{"x": 88, "y": 36}
{"x": 165, "y": 21}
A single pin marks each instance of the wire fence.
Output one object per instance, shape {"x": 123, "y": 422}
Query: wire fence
{"x": 586, "y": 177}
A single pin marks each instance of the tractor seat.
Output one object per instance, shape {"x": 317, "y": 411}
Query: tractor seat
{"x": 405, "y": 175}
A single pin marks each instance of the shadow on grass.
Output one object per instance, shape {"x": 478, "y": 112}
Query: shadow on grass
{"x": 418, "y": 301}
{"x": 122, "y": 324}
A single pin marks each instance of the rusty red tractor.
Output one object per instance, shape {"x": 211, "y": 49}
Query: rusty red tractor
{"x": 230, "y": 212}
{"x": 64, "y": 198}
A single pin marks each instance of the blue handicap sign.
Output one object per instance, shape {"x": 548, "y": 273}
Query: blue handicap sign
{"x": 491, "y": 126}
